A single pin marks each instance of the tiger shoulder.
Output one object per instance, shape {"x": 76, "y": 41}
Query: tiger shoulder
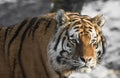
{"x": 52, "y": 46}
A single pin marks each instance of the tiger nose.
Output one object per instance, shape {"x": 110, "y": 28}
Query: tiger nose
{"x": 86, "y": 59}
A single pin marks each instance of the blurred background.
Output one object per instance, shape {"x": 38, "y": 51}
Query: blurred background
{"x": 13, "y": 11}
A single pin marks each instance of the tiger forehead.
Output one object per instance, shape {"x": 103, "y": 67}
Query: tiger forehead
{"x": 77, "y": 15}
{"x": 83, "y": 21}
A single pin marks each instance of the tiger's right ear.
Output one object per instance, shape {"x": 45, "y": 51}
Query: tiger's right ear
{"x": 61, "y": 18}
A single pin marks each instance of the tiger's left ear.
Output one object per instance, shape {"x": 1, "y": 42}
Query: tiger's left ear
{"x": 61, "y": 17}
{"x": 99, "y": 19}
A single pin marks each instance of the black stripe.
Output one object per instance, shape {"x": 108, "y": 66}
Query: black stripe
{"x": 14, "y": 36}
{"x": 6, "y": 32}
{"x": 76, "y": 23}
{"x": 35, "y": 27}
{"x": 68, "y": 45}
{"x": 48, "y": 25}
{"x": 38, "y": 24}
{"x": 58, "y": 40}
{"x": 32, "y": 22}
{"x": 43, "y": 63}
{"x": 66, "y": 34}
{"x": 69, "y": 42}
{"x": 10, "y": 29}
{"x": 76, "y": 27}
{"x": 63, "y": 42}
{"x": 104, "y": 44}
{"x": 44, "y": 66}
{"x": 14, "y": 67}
{"x": 58, "y": 73}
{"x": 21, "y": 43}
{"x": 77, "y": 30}
{"x": 5, "y": 36}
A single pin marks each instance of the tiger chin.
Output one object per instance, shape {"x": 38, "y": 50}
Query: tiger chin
{"x": 77, "y": 44}
{"x": 51, "y": 46}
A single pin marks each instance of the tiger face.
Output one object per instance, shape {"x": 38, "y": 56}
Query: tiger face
{"x": 77, "y": 44}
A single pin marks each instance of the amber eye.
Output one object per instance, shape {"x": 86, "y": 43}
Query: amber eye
{"x": 99, "y": 53}
{"x": 94, "y": 41}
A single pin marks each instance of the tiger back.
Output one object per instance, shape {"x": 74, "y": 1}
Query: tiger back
{"x": 41, "y": 47}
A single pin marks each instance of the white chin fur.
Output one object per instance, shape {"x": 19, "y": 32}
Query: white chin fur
{"x": 84, "y": 70}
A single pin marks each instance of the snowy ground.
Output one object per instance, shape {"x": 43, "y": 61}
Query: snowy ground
{"x": 11, "y": 13}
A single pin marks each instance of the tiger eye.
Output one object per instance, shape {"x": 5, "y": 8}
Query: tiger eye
{"x": 65, "y": 54}
{"x": 98, "y": 53}
{"x": 96, "y": 46}
{"x": 73, "y": 40}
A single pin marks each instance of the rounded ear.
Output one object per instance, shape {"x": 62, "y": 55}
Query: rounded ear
{"x": 99, "y": 19}
{"x": 61, "y": 17}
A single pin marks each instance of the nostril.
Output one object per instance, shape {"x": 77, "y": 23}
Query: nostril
{"x": 85, "y": 59}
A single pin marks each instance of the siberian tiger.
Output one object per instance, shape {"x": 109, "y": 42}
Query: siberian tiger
{"x": 51, "y": 46}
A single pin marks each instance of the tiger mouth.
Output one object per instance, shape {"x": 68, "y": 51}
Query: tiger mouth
{"x": 81, "y": 67}
{"x": 84, "y": 69}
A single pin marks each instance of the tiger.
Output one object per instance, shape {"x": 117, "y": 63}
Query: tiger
{"x": 53, "y": 45}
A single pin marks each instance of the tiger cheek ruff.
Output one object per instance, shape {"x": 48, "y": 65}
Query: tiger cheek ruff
{"x": 51, "y": 46}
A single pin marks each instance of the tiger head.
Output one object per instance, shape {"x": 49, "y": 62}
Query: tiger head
{"x": 77, "y": 44}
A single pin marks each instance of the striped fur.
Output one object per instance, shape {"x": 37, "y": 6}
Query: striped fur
{"x": 31, "y": 48}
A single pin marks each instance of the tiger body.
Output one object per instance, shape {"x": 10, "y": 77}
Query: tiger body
{"x": 38, "y": 47}
{"x": 17, "y": 58}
